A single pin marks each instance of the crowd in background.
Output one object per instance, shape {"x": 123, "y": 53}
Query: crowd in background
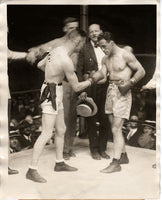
{"x": 25, "y": 123}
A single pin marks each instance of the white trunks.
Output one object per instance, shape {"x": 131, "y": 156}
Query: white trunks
{"x": 116, "y": 103}
{"x": 47, "y": 104}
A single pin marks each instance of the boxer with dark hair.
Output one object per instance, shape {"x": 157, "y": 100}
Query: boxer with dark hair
{"x": 57, "y": 64}
{"x": 124, "y": 72}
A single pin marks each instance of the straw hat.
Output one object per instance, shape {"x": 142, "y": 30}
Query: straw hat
{"x": 86, "y": 108}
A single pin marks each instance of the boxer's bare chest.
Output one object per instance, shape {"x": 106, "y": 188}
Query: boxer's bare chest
{"x": 116, "y": 63}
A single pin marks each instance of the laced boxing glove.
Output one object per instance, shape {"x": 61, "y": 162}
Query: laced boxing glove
{"x": 124, "y": 88}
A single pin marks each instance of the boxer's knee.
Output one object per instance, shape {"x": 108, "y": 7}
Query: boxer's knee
{"x": 61, "y": 131}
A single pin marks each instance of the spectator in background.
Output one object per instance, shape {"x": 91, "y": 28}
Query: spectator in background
{"x": 37, "y": 121}
{"x": 29, "y": 119}
{"x": 21, "y": 114}
{"x": 134, "y": 131}
{"x": 138, "y": 104}
{"x": 25, "y": 132}
{"x": 33, "y": 110}
{"x": 26, "y": 104}
{"x": 13, "y": 123}
{"x": 15, "y": 145}
{"x": 20, "y": 103}
{"x": 148, "y": 139}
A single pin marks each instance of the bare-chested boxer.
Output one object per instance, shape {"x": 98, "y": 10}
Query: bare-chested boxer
{"x": 57, "y": 64}
{"x": 124, "y": 72}
{"x": 69, "y": 96}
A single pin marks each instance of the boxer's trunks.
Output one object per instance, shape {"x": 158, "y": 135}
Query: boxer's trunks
{"x": 116, "y": 103}
{"x": 47, "y": 106}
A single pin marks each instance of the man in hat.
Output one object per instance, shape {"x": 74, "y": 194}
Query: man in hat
{"x": 148, "y": 139}
{"x": 14, "y": 137}
{"x": 89, "y": 61}
{"x": 124, "y": 72}
{"x": 57, "y": 64}
{"x": 25, "y": 131}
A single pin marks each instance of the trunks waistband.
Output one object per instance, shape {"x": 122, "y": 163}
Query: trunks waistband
{"x": 57, "y": 84}
{"x": 116, "y": 82}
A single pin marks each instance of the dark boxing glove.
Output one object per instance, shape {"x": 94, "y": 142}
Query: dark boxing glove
{"x": 126, "y": 86}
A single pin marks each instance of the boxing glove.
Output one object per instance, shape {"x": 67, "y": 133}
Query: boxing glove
{"x": 85, "y": 77}
{"x": 97, "y": 76}
{"x": 125, "y": 87}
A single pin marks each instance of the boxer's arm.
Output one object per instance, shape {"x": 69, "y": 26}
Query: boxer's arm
{"x": 14, "y": 55}
{"x": 72, "y": 78}
{"x": 101, "y": 75}
{"x": 135, "y": 65}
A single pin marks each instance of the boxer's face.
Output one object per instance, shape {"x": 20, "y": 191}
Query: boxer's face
{"x": 80, "y": 42}
{"x": 106, "y": 46}
{"x": 70, "y": 26}
{"x": 94, "y": 32}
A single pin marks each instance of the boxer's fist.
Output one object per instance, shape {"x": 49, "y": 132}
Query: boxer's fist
{"x": 97, "y": 76}
{"x": 91, "y": 73}
{"x": 124, "y": 88}
{"x": 85, "y": 77}
{"x": 83, "y": 96}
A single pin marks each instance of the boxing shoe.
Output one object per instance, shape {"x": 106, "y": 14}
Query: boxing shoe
{"x": 103, "y": 154}
{"x": 96, "y": 156}
{"x": 33, "y": 175}
{"x": 61, "y": 166}
{"x": 123, "y": 158}
{"x": 66, "y": 156}
{"x": 113, "y": 167}
{"x": 72, "y": 154}
{"x": 12, "y": 171}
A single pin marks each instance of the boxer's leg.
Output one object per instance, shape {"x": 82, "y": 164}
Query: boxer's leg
{"x": 59, "y": 139}
{"x": 118, "y": 139}
{"x": 60, "y": 132}
{"x": 48, "y": 121}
